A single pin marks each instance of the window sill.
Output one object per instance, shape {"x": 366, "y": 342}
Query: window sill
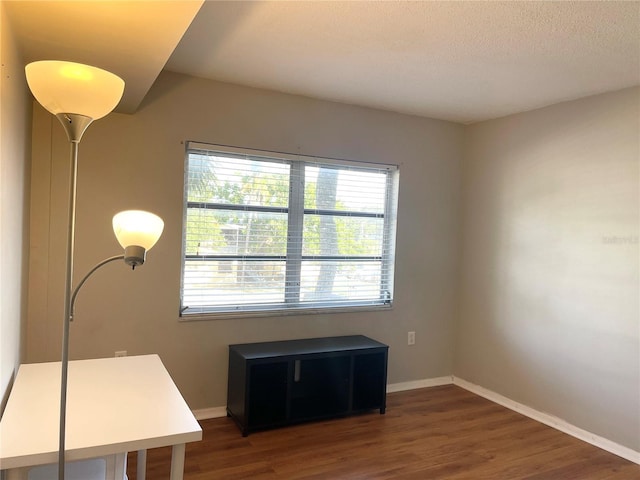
{"x": 202, "y": 316}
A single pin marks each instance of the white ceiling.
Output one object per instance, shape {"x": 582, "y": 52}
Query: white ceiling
{"x": 459, "y": 61}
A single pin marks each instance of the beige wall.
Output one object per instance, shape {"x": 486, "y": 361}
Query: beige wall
{"x": 549, "y": 290}
{"x": 15, "y": 119}
{"x": 137, "y": 161}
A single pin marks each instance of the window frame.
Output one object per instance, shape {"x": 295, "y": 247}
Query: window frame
{"x": 294, "y": 256}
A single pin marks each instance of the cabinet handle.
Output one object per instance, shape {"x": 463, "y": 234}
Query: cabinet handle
{"x": 296, "y": 370}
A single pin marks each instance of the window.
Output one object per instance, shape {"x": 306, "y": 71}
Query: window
{"x": 270, "y": 232}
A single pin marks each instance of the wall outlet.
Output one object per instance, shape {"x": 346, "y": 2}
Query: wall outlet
{"x": 411, "y": 338}
{"x": 121, "y": 353}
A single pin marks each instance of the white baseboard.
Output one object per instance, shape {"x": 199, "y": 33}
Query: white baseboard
{"x": 545, "y": 418}
{"x": 551, "y": 421}
{"x": 211, "y": 412}
{"x": 429, "y": 382}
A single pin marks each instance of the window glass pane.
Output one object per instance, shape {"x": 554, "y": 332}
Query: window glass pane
{"x": 337, "y": 235}
{"x": 235, "y": 232}
{"x": 344, "y": 189}
{"x": 340, "y": 281}
{"x": 233, "y": 282}
{"x": 237, "y": 181}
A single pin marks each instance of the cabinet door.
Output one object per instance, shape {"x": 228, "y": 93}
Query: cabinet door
{"x": 267, "y": 393}
{"x": 320, "y": 387}
{"x": 369, "y": 377}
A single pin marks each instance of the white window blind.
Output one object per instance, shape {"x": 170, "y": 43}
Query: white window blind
{"x": 269, "y": 232}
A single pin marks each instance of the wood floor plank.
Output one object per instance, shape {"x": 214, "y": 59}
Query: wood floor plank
{"x": 432, "y": 433}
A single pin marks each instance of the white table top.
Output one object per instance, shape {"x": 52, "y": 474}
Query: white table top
{"x": 114, "y": 405}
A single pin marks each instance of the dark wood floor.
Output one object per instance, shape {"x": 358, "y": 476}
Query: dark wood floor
{"x": 432, "y": 433}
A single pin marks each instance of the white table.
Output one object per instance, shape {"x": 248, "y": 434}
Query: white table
{"x": 114, "y": 406}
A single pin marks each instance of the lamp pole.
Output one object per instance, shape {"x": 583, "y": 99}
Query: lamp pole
{"x": 74, "y": 125}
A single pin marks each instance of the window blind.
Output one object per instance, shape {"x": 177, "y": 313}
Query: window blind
{"x": 268, "y": 232}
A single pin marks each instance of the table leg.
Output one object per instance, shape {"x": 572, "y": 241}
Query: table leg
{"x": 141, "y": 471}
{"x": 120, "y": 466}
{"x": 177, "y": 461}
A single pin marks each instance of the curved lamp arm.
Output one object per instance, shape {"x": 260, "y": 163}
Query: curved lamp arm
{"x": 137, "y": 231}
{"x": 86, "y": 277}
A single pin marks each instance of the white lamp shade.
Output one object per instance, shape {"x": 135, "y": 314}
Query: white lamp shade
{"x": 137, "y": 228}
{"x": 67, "y": 87}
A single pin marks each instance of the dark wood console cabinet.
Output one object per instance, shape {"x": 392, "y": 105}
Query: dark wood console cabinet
{"x": 273, "y": 384}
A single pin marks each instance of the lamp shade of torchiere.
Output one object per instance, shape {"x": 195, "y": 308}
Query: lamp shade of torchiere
{"x": 70, "y": 89}
{"x": 77, "y": 95}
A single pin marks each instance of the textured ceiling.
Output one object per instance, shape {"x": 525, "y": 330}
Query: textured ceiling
{"x": 460, "y": 61}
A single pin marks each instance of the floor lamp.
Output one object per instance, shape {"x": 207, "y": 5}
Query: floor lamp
{"x": 77, "y": 95}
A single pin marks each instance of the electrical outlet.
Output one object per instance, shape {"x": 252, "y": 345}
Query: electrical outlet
{"x": 121, "y": 353}
{"x": 411, "y": 338}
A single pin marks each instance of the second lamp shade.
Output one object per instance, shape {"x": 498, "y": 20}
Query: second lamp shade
{"x": 137, "y": 228}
